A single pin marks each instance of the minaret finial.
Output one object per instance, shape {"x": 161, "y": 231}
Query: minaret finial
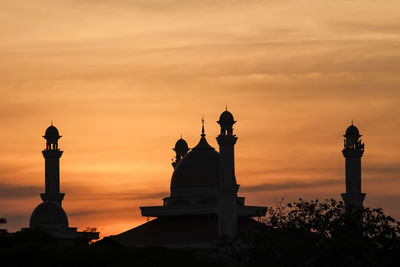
{"x": 202, "y": 126}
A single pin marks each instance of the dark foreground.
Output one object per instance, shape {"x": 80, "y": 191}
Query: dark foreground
{"x": 271, "y": 248}
{"x": 301, "y": 233}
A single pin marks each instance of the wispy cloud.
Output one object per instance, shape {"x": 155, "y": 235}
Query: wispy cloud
{"x": 290, "y": 184}
{"x": 18, "y": 191}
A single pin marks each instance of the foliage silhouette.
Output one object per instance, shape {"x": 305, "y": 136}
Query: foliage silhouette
{"x": 328, "y": 219}
{"x": 320, "y": 233}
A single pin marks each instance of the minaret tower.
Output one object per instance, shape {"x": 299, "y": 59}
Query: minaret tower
{"x": 353, "y": 151}
{"x": 49, "y": 215}
{"x": 181, "y": 149}
{"x": 52, "y": 156}
{"x": 227, "y": 187}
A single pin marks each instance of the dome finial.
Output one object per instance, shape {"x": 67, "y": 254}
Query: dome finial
{"x": 202, "y": 126}
{"x": 181, "y": 135}
{"x": 352, "y": 122}
{"x": 226, "y": 107}
{"x": 51, "y": 122}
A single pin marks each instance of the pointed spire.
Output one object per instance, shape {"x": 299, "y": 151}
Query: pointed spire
{"x": 203, "y": 142}
{"x": 202, "y": 127}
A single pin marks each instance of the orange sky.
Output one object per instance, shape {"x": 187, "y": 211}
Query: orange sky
{"x": 122, "y": 79}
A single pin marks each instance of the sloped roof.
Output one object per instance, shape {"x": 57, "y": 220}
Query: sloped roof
{"x": 179, "y": 232}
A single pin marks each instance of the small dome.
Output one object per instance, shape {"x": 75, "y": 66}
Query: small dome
{"x": 49, "y": 214}
{"x": 181, "y": 145}
{"x": 198, "y": 169}
{"x": 226, "y": 118}
{"x": 352, "y": 132}
{"x": 52, "y": 132}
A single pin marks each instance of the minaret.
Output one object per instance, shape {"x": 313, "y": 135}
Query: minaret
{"x": 52, "y": 156}
{"x": 353, "y": 151}
{"x": 181, "y": 149}
{"x": 227, "y": 187}
{"x": 49, "y": 215}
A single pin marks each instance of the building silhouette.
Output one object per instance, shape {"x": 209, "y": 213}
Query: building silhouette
{"x": 49, "y": 215}
{"x": 353, "y": 151}
{"x": 203, "y": 205}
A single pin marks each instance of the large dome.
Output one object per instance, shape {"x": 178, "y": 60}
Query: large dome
{"x": 197, "y": 173}
{"x": 49, "y": 215}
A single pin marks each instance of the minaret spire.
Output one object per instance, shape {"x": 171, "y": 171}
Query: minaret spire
{"x": 49, "y": 215}
{"x": 202, "y": 127}
{"x": 227, "y": 187}
{"x": 353, "y": 150}
{"x": 52, "y": 155}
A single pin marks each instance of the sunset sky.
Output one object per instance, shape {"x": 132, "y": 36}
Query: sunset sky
{"x": 122, "y": 79}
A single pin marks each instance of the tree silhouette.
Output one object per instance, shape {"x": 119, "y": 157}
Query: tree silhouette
{"x": 329, "y": 220}
{"x": 320, "y": 233}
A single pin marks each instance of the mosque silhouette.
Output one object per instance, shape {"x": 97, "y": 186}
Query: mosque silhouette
{"x": 203, "y": 206}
